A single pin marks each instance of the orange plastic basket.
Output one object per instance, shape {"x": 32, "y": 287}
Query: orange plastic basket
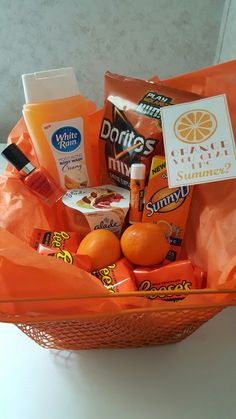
{"x": 129, "y": 328}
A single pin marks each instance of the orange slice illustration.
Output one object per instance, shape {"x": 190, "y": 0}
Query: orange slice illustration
{"x": 195, "y": 126}
{"x": 166, "y": 227}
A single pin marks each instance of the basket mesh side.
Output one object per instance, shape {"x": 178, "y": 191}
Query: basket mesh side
{"x": 120, "y": 330}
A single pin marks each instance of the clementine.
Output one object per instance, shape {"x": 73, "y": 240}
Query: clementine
{"x": 102, "y": 246}
{"x": 144, "y": 244}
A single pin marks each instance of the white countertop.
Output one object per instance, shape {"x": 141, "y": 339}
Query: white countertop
{"x": 194, "y": 379}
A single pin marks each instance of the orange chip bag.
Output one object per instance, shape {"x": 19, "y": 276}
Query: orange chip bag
{"x": 81, "y": 261}
{"x": 58, "y": 239}
{"x": 131, "y": 127}
{"x": 176, "y": 276}
{"x": 117, "y": 277}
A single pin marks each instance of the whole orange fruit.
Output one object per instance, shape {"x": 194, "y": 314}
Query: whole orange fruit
{"x": 102, "y": 246}
{"x": 144, "y": 244}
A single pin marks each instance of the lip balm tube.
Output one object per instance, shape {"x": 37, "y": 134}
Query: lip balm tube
{"x": 137, "y": 183}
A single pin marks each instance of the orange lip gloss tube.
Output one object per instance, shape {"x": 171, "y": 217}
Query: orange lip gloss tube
{"x": 137, "y": 183}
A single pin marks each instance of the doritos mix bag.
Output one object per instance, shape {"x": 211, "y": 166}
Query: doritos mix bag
{"x": 131, "y": 125}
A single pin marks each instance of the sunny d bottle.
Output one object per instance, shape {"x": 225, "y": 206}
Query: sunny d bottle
{"x": 56, "y": 118}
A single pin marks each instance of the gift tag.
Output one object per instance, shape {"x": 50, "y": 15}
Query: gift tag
{"x": 199, "y": 142}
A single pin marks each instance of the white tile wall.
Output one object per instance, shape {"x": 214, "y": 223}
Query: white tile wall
{"x": 136, "y": 37}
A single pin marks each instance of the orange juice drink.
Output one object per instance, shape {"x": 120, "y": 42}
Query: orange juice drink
{"x": 167, "y": 207}
{"x": 56, "y": 116}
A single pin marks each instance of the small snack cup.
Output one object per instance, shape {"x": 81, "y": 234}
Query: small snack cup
{"x": 101, "y": 207}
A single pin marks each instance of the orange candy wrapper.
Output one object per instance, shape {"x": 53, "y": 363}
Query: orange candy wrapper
{"x": 210, "y": 239}
{"x": 178, "y": 276}
{"x": 81, "y": 261}
{"x": 117, "y": 277}
{"x": 58, "y": 239}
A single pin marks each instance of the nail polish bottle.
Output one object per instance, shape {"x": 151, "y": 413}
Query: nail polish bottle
{"x": 37, "y": 179}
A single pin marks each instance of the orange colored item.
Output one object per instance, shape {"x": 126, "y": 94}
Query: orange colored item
{"x": 131, "y": 127}
{"x": 176, "y": 276}
{"x": 58, "y": 239}
{"x": 168, "y": 208}
{"x": 117, "y": 277}
{"x": 201, "y": 276}
{"x": 102, "y": 246}
{"x": 82, "y": 261}
{"x": 37, "y": 180}
{"x": 144, "y": 244}
{"x": 56, "y": 115}
{"x": 137, "y": 184}
{"x": 42, "y": 184}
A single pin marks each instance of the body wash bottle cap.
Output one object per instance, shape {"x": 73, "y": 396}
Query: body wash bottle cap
{"x": 48, "y": 85}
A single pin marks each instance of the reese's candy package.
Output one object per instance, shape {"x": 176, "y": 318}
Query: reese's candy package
{"x": 117, "y": 277}
{"x": 169, "y": 208}
{"x": 58, "y": 239}
{"x": 177, "y": 276}
{"x": 81, "y": 261}
{"x": 131, "y": 126}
